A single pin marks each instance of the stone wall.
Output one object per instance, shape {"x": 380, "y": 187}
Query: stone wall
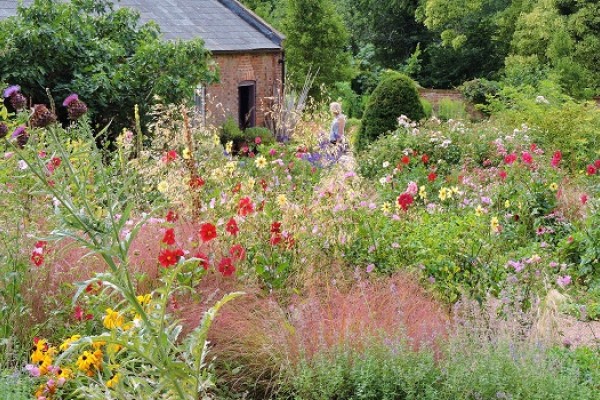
{"x": 234, "y": 68}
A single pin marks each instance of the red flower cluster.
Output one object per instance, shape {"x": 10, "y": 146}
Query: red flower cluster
{"x": 276, "y": 237}
{"x": 405, "y": 200}
{"x": 37, "y": 255}
{"x": 592, "y": 169}
{"x": 405, "y": 160}
{"x": 245, "y": 206}
{"x": 431, "y": 177}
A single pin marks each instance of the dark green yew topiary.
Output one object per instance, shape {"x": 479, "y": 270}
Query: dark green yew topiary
{"x": 395, "y": 95}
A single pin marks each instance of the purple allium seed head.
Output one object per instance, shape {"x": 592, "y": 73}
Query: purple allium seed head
{"x": 18, "y": 132}
{"x": 3, "y": 130}
{"x": 71, "y": 98}
{"x": 9, "y": 91}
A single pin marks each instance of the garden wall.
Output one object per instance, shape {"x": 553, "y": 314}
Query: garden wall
{"x": 435, "y": 96}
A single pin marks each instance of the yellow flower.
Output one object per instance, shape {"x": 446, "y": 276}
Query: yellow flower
{"x": 507, "y": 204}
{"x": 444, "y": 194}
{"x": 113, "y": 348}
{"x": 423, "y": 193}
{"x": 495, "y": 224}
{"x": 86, "y": 361}
{"x": 67, "y": 343}
{"x": 454, "y": 189}
{"x": 163, "y": 186}
{"x": 281, "y": 200}
{"x": 554, "y": 186}
{"x": 250, "y": 183}
{"x": 230, "y": 167}
{"x": 229, "y": 147}
{"x": 260, "y": 162}
{"x": 113, "y": 381}
{"x": 479, "y": 210}
{"x": 144, "y": 299}
{"x": 44, "y": 364}
{"x": 65, "y": 373}
{"x": 186, "y": 154}
{"x": 113, "y": 319}
{"x": 386, "y": 207}
{"x": 216, "y": 140}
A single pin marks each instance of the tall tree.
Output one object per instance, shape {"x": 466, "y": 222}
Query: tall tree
{"x": 105, "y": 55}
{"x": 317, "y": 40}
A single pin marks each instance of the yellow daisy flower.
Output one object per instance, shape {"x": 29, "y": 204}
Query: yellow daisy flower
{"x": 113, "y": 319}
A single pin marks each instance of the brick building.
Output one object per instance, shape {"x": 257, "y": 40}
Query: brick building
{"x": 247, "y": 50}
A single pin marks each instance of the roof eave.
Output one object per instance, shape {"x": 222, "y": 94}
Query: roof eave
{"x": 255, "y": 21}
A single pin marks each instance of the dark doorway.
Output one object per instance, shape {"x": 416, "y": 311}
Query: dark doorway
{"x": 247, "y": 105}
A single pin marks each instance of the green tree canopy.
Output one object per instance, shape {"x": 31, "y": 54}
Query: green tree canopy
{"x": 316, "y": 40}
{"x": 105, "y": 55}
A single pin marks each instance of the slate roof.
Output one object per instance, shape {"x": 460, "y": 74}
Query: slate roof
{"x": 224, "y": 25}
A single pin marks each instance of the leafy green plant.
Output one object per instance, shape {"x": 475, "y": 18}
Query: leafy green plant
{"x": 478, "y": 91}
{"x": 451, "y": 109}
{"x": 150, "y": 342}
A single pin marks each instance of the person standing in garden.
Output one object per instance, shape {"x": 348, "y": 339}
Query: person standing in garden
{"x": 336, "y": 133}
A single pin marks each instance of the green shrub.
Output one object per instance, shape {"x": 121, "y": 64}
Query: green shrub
{"x": 231, "y": 132}
{"x": 451, "y": 109}
{"x": 395, "y": 95}
{"x": 478, "y": 91}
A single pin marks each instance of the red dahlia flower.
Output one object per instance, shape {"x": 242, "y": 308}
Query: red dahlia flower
{"x": 237, "y": 252}
{"x": 405, "y": 200}
{"x": 526, "y": 157}
{"x": 510, "y": 158}
{"x": 556, "y": 158}
{"x": 168, "y": 257}
{"x": 226, "y": 267}
{"x": 203, "y": 259}
{"x": 169, "y": 237}
{"x": 232, "y": 227}
{"x": 207, "y": 232}
{"x": 245, "y": 206}
{"x": 591, "y": 169}
{"x": 172, "y": 216}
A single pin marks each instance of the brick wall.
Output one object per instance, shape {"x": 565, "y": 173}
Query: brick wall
{"x": 435, "y": 95}
{"x": 263, "y": 68}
